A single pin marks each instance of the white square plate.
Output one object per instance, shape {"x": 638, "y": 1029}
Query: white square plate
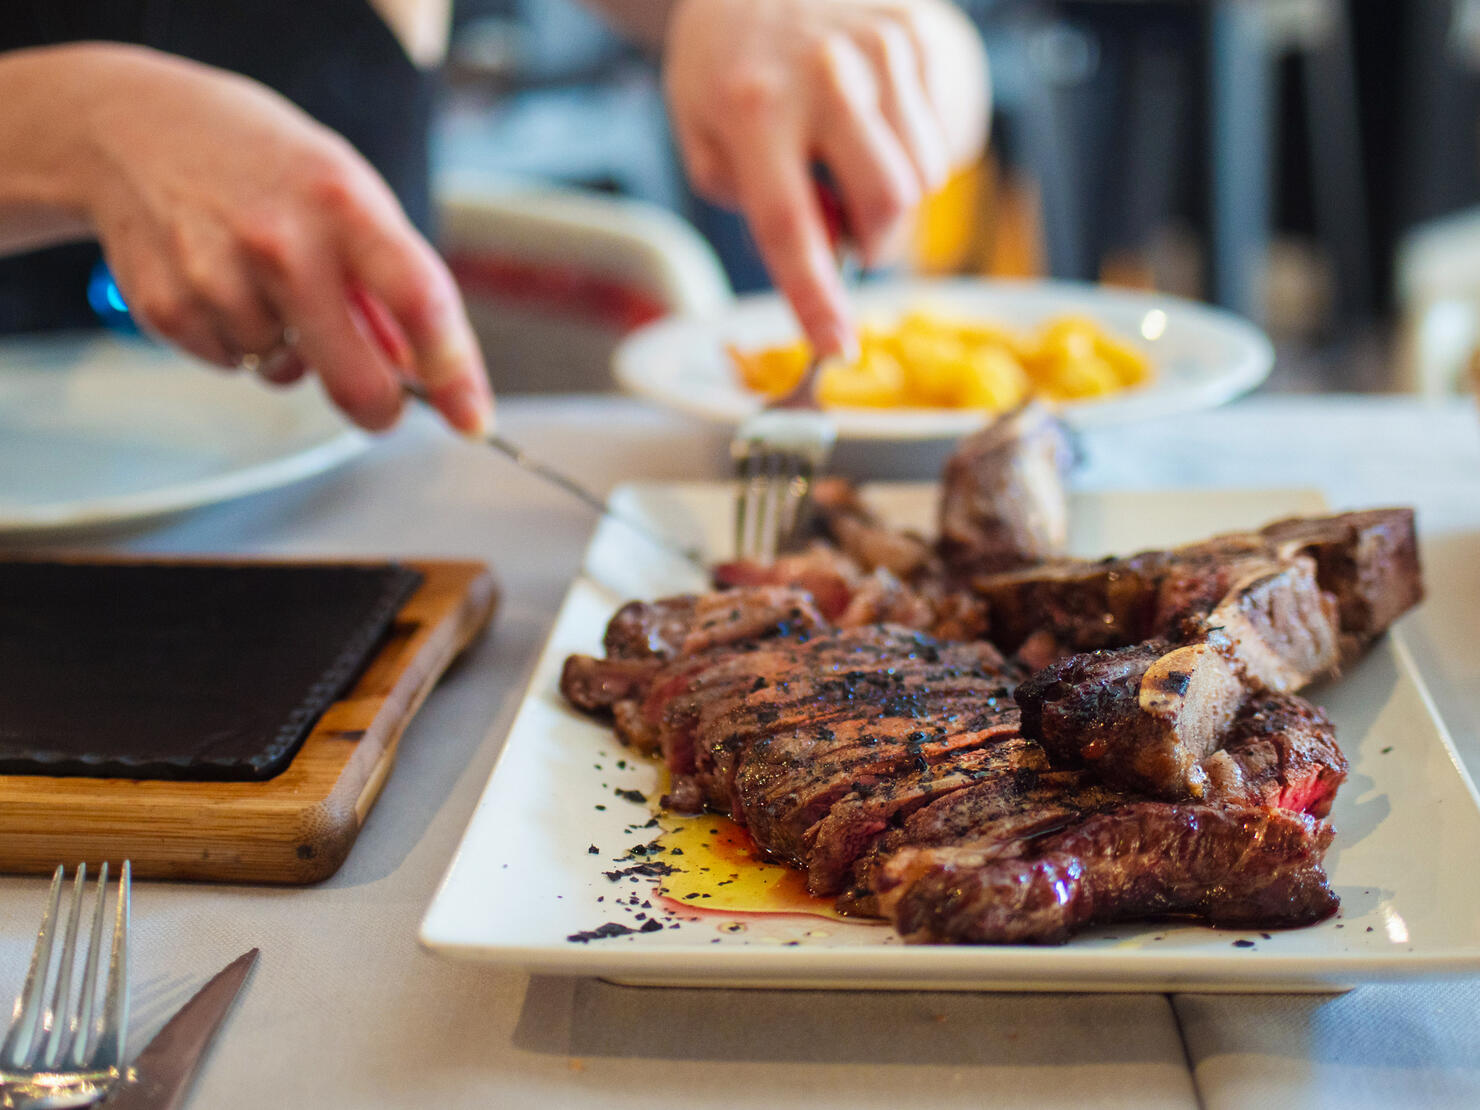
{"x": 524, "y": 879}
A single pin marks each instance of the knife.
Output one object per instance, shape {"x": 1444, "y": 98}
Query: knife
{"x": 576, "y": 489}
{"x": 160, "y": 1078}
{"x": 389, "y": 338}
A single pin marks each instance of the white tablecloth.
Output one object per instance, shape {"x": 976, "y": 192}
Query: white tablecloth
{"x": 345, "y": 1010}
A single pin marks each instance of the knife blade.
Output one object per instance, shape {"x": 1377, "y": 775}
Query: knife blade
{"x": 525, "y": 461}
{"x": 160, "y": 1078}
{"x": 392, "y": 342}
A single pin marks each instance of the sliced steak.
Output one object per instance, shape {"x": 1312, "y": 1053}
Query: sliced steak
{"x": 597, "y": 685}
{"x": 856, "y": 821}
{"x": 1229, "y": 865}
{"x": 1142, "y": 718}
{"x": 844, "y": 518}
{"x": 909, "y": 771}
{"x": 1146, "y": 717}
{"x": 1003, "y": 503}
{"x": 1281, "y": 752}
{"x": 1000, "y": 814}
{"x": 788, "y": 782}
{"x": 884, "y": 683}
{"x": 650, "y": 629}
{"x": 1367, "y": 560}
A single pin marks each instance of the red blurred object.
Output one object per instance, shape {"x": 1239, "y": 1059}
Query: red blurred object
{"x": 557, "y": 288}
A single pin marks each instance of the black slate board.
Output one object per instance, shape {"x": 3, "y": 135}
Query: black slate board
{"x": 179, "y": 670}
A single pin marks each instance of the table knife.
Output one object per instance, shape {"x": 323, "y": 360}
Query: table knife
{"x": 393, "y": 343}
{"x": 574, "y": 487}
{"x": 160, "y": 1078}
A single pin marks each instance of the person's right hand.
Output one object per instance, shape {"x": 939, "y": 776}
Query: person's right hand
{"x": 887, "y": 95}
{"x": 233, "y": 223}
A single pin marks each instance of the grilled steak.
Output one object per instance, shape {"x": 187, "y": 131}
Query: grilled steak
{"x": 1230, "y": 865}
{"x": 1168, "y": 768}
{"x": 845, "y": 751}
{"x": 1147, "y": 716}
{"x": 1003, "y": 503}
{"x": 1366, "y": 561}
{"x": 1281, "y": 752}
{"x": 1142, "y": 717}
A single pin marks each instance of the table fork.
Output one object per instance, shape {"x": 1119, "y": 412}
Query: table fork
{"x": 63, "y": 1048}
{"x": 779, "y": 450}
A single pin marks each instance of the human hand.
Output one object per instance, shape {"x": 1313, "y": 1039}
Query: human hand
{"x": 888, "y": 95}
{"x": 231, "y": 220}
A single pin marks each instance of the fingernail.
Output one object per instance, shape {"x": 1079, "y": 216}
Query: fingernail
{"x": 840, "y": 340}
{"x": 467, "y": 409}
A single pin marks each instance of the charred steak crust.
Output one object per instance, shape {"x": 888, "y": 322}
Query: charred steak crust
{"x": 1281, "y": 752}
{"x": 1367, "y": 561}
{"x": 1147, "y": 717}
{"x": 1230, "y": 865}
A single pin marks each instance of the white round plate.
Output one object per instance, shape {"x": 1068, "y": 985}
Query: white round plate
{"x": 97, "y": 430}
{"x": 1201, "y": 356}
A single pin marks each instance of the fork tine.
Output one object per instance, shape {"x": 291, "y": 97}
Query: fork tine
{"x": 82, "y": 1026}
{"x": 745, "y": 504}
{"x": 21, "y": 1037}
{"x": 59, "y": 1013}
{"x": 770, "y": 509}
{"x": 112, "y": 1025}
{"x": 798, "y": 487}
{"x": 82, "y": 1019}
{"x": 755, "y": 506}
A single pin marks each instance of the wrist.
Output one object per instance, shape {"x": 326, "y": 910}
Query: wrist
{"x": 52, "y": 100}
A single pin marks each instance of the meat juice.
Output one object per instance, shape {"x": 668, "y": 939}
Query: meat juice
{"x": 718, "y": 869}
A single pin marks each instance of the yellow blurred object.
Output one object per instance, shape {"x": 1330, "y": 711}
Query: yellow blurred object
{"x": 772, "y": 371}
{"x": 946, "y": 227}
{"x": 932, "y": 361}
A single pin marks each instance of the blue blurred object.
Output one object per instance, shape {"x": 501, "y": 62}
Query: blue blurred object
{"x": 107, "y": 301}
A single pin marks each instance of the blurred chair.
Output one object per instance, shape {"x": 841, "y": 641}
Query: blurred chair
{"x": 1111, "y": 96}
{"x": 1438, "y": 289}
{"x": 554, "y": 277}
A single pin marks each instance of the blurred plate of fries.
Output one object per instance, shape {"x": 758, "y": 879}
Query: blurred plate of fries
{"x": 939, "y": 357}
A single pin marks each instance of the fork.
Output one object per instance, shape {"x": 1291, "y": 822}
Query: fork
{"x": 778, "y": 450}
{"x": 62, "y": 1049}
{"x": 777, "y": 453}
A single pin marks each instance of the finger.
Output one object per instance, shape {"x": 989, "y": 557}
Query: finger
{"x": 309, "y": 295}
{"x": 707, "y": 168}
{"x": 245, "y": 320}
{"x": 904, "y": 101}
{"x": 878, "y": 183}
{"x": 779, "y": 201}
{"x": 284, "y": 368}
{"x": 159, "y": 301}
{"x": 397, "y": 269}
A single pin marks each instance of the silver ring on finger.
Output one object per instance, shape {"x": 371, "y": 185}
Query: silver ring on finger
{"x": 279, "y": 351}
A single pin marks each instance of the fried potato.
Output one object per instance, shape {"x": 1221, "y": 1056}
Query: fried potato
{"x": 928, "y": 360}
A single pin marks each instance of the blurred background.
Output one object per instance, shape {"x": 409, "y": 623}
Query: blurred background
{"x": 1311, "y": 164}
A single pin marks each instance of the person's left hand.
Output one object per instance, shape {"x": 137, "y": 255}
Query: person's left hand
{"x": 888, "y": 95}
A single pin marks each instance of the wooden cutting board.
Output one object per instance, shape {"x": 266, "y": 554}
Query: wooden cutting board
{"x": 297, "y": 827}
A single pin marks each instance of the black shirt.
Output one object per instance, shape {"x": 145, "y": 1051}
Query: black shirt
{"x": 336, "y": 59}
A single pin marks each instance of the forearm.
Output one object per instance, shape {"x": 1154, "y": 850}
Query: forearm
{"x": 44, "y": 108}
